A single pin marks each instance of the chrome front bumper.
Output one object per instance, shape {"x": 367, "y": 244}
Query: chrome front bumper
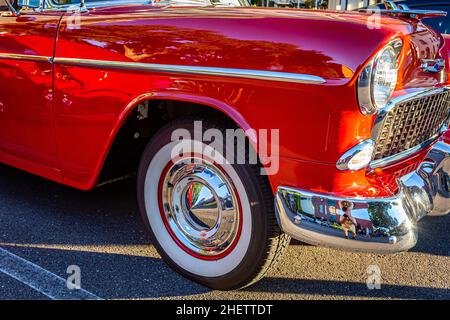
{"x": 385, "y": 225}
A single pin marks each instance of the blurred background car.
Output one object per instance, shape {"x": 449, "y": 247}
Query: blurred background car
{"x": 441, "y": 24}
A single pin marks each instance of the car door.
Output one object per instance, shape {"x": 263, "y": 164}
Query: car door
{"x": 27, "y": 133}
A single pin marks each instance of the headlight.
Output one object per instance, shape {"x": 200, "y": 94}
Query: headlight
{"x": 377, "y": 80}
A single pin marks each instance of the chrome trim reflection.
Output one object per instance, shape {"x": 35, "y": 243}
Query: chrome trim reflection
{"x": 378, "y": 123}
{"x": 407, "y": 153}
{"x": 432, "y": 65}
{"x": 26, "y": 57}
{"x": 343, "y": 161}
{"x": 53, "y": 5}
{"x": 416, "y": 94}
{"x": 11, "y": 8}
{"x": 317, "y": 219}
{"x": 386, "y": 225}
{"x": 194, "y": 70}
{"x": 200, "y": 206}
{"x": 365, "y": 89}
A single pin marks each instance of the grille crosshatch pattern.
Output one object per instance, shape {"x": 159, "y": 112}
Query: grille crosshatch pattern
{"x": 411, "y": 123}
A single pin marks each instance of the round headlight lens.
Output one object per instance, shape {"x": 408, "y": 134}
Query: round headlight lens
{"x": 378, "y": 78}
{"x": 384, "y": 76}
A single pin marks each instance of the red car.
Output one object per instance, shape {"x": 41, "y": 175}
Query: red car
{"x": 245, "y": 126}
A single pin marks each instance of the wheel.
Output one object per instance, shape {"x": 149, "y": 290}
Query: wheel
{"x": 211, "y": 221}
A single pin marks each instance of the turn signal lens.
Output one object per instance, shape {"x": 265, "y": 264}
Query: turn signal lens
{"x": 358, "y": 157}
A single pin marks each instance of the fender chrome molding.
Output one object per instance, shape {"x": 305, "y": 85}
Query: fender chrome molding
{"x": 194, "y": 70}
{"x": 165, "y": 68}
{"x": 25, "y": 57}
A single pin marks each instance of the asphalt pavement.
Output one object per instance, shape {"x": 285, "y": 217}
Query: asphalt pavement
{"x": 46, "y": 228}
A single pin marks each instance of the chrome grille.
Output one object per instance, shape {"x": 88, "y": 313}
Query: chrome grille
{"x": 411, "y": 123}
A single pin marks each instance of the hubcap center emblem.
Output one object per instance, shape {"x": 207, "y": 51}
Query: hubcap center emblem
{"x": 201, "y": 206}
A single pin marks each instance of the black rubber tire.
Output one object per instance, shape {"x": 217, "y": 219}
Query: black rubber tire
{"x": 267, "y": 243}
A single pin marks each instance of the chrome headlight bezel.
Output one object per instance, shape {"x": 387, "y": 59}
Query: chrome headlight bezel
{"x": 358, "y": 157}
{"x": 366, "y": 79}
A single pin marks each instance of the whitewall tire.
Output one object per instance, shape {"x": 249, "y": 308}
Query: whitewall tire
{"x": 210, "y": 220}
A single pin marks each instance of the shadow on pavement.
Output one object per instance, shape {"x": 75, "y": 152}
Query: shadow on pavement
{"x": 343, "y": 288}
{"x": 434, "y": 236}
{"x": 34, "y": 211}
{"x": 55, "y": 226}
{"x": 113, "y": 207}
{"x": 114, "y": 276}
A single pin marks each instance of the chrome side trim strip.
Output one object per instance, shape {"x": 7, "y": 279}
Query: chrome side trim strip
{"x": 26, "y": 57}
{"x": 208, "y": 71}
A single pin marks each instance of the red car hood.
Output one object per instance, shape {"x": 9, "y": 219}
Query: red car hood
{"x": 330, "y": 44}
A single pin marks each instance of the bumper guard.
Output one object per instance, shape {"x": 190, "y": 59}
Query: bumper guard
{"x": 383, "y": 225}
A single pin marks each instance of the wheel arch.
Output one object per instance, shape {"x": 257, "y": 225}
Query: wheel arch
{"x": 218, "y": 108}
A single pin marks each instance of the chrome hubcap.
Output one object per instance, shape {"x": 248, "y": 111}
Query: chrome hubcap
{"x": 201, "y": 207}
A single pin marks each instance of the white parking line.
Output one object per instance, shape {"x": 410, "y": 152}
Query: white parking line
{"x": 41, "y": 280}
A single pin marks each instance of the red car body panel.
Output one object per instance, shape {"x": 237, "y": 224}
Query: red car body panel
{"x": 27, "y": 135}
{"x": 317, "y": 122}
